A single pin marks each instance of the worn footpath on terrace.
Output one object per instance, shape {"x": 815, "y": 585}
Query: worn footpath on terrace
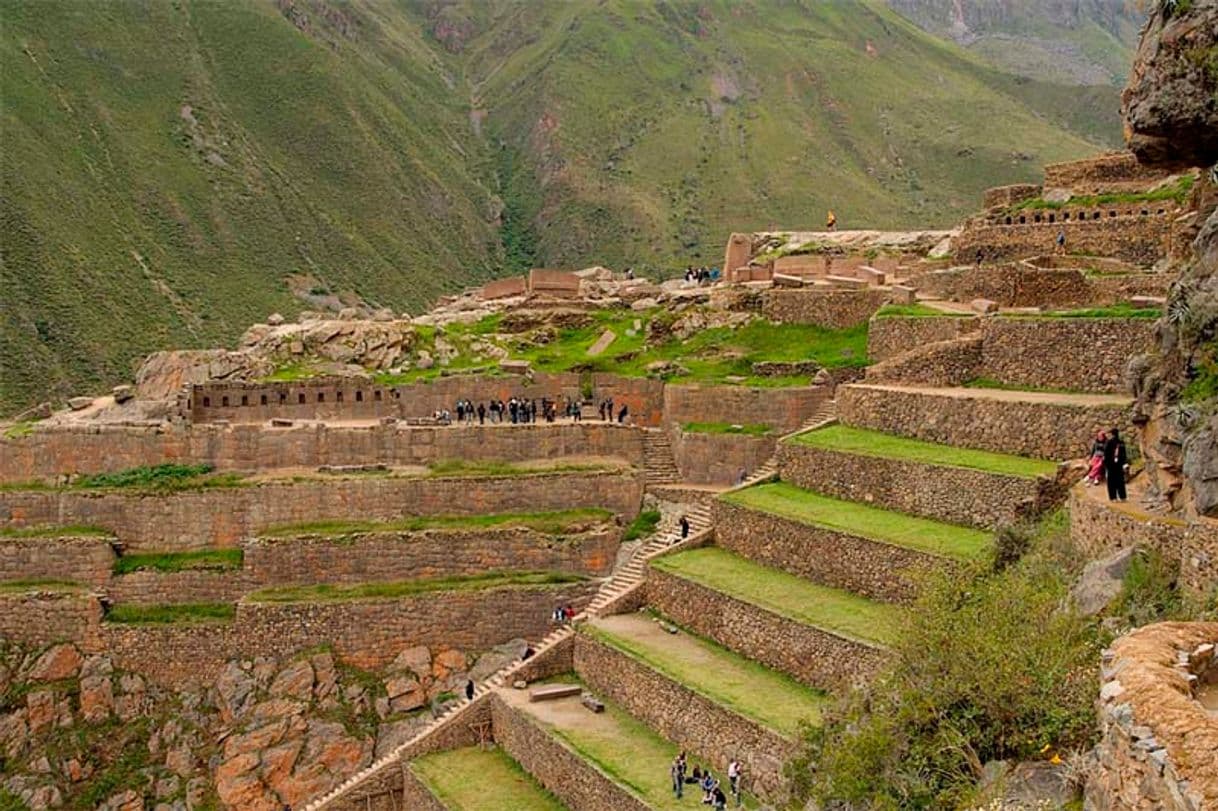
{"x": 887, "y": 526}
{"x": 834, "y": 610}
{"x": 475, "y": 779}
{"x": 865, "y": 442}
{"x": 1011, "y": 395}
{"x": 759, "y": 693}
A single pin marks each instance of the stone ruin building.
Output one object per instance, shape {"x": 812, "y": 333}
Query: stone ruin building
{"x": 327, "y": 529}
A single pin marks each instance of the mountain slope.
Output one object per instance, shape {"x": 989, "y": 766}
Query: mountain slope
{"x": 175, "y": 171}
{"x": 166, "y": 167}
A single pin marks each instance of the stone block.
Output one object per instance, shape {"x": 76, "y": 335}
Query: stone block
{"x": 602, "y": 343}
{"x": 850, "y": 282}
{"x": 552, "y": 692}
{"x": 515, "y": 367}
{"x": 123, "y": 393}
{"x": 1147, "y": 301}
{"x": 983, "y": 306}
{"x": 871, "y": 276}
{"x": 592, "y": 703}
{"x": 783, "y": 280}
{"x": 904, "y": 294}
{"x": 80, "y": 403}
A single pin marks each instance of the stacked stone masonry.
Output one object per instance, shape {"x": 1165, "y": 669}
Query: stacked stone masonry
{"x": 1110, "y": 171}
{"x": 952, "y": 362}
{"x": 1024, "y": 427}
{"x": 874, "y": 569}
{"x": 85, "y": 560}
{"x": 890, "y": 336}
{"x": 709, "y": 458}
{"x": 1126, "y": 235}
{"x": 199, "y": 519}
{"x": 1085, "y": 354}
{"x": 814, "y": 656}
{"x": 707, "y": 729}
{"x": 831, "y": 309}
{"x": 52, "y": 453}
{"x": 784, "y": 409}
{"x": 952, "y": 494}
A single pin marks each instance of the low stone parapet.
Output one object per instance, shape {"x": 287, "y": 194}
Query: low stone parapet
{"x": 41, "y": 616}
{"x": 874, "y": 569}
{"x": 578, "y": 783}
{"x": 831, "y": 309}
{"x": 75, "y": 559}
{"x": 812, "y": 655}
{"x": 679, "y": 714}
{"x": 889, "y": 336}
{"x": 1040, "y": 425}
{"x": 956, "y": 495}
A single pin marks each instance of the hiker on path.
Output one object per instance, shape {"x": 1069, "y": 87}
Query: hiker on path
{"x": 481, "y": 414}
{"x": 734, "y": 772}
{"x": 685, "y": 529}
{"x": 1095, "y": 470}
{"x": 469, "y": 689}
{"x": 621, "y": 415}
{"x": 1116, "y": 463}
{"x": 675, "y": 771}
{"x": 831, "y": 221}
{"x": 1061, "y": 241}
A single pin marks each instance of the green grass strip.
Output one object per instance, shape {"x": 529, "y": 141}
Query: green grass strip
{"x": 785, "y": 594}
{"x": 643, "y": 525}
{"x": 1111, "y": 311}
{"x": 749, "y": 429}
{"x": 898, "y": 529}
{"x": 915, "y": 311}
{"x": 52, "y": 531}
{"x": 326, "y": 592}
{"x": 991, "y": 383}
{"x": 865, "y": 442}
{"x": 179, "y": 561}
{"x": 18, "y": 586}
{"x": 553, "y": 522}
{"x": 773, "y": 699}
{"x": 180, "y": 613}
{"x": 452, "y": 468}
{"x": 473, "y": 779}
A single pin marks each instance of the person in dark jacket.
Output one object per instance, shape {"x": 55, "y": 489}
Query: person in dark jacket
{"x": 1116, "y": 462}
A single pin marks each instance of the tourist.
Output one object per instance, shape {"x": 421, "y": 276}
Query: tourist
{"x": 831, "y": 221}
{"x": 678, "y": 779}
{"x": 513, "y": 409}
{"x": 1061, "y": 241}
{"x": 621, "y": 415}
{"x": 1116, "y": 463}
{"x": 708, "y": 787}
{"x": 719, "y": 799}
{"x": 695, "y": 777}
{"x": 734, "y": 771}
{"x": 529, "y": 653}
{"x": 460, "y": 409}
{"x": 684, "y": 527}
{"x": 1095, "y": 471}
{"x": 469, "y": 689}
{"x": 481, "y": 414}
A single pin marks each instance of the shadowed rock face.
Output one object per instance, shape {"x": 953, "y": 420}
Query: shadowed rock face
{"x": 1170, "y": 106}
{"x": 1171, "y": 119}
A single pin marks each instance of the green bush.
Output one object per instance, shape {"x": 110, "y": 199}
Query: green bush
{"x": 643, "y": 525}
{"x": 168, "y": 476}
{"x": 990, "y": 667}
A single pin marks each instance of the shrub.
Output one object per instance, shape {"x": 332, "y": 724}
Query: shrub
{"x": 643, "y": 525}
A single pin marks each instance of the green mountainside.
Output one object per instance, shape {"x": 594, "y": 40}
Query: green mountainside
{"x": 174, "y": 171}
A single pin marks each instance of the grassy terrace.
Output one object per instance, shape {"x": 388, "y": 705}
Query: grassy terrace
{"x": 915, "y": 311}
{"x": 898, "y": 529}
{"x": 175, "y": 614}
{"x": 21, "y": 586}
{"x": 473, "y": 779}
{"x": 325, "y": 592}
{"x": 1111, "y": 311}
{"x": 861, "y": 441}
{"x": 748, "y": 429}
{"x": 218, "y": 559}
{"x": 54, "y": 531}
{"x": 456, "y": 468}
{"x": 621, "y": 746}
{"x": 991, "y": 383}
{"x": 768, "y": 697}
{"x": 554, "y": 522}
{"x": 643, "y": 525}
{"x": 793, "y": 597}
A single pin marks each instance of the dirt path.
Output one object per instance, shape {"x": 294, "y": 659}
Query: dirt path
{"x": 1010, "y": 395}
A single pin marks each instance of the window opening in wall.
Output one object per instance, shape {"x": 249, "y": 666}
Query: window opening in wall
{"x": 300, "y": 398}
{"x": 339, "y": 397}
{"x": 1008, "y": 221}
{"x": 283, "y": 397}
{"x": 1052, "y": 218}
{"x": 224, "y": 401}
{"x": 245, "y": 399}
{"x": 207, "y": 402}
{"x": 376, "y": 395}
{"x": 1160, "y": 211}
{"x": 262, "y": 400}
{"x": 397, "y": 395}
{"x": 359, "y": 397}
{"x": 1145, "y": 212}
{"x": 321, "y": 396}
{"x": 1065, "y": 216}
{"x": 1035, "y": 218}
{"x": 1022, "y": 219}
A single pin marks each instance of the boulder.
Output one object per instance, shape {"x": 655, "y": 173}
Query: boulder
{"x": 56, "y": 662}
{"x": 295, "y": 681}
{"x": 274, "y": 319}
{"x": 1101, "y": 582}
{"x": 983, "y": 306}
{"x": 96, "y": 698}
{"x": 80, "y": 403}
{"x": 644, "y": 304}
{"x": 903, "y": 294}
{"x": 123, "y": 393}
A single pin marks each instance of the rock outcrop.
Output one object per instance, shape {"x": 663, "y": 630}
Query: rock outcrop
{"x": 1171, "y": 115}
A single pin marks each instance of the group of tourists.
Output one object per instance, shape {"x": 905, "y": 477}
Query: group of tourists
{"x": 701, "y": 276}
{"x": 521, "y": 410}
{"x": 605, "y": 409}
{"x": 1109, "y": 463}
{"x": 702, "y": 779}
{"x": 562, "y": 614}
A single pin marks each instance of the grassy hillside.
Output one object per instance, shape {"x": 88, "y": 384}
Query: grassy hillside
{"x": 175, "y": 171}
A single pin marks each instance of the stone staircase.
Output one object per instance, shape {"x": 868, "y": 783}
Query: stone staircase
{"x": 659, "y": 465}
{"x": 824, "y": 414}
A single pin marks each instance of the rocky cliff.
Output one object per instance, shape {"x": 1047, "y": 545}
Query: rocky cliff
{"x": 1171, "y": 119}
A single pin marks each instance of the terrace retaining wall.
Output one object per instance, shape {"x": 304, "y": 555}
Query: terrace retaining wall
{"x": 680, "y": 714}
{"x": 1128, "y": 236}
{"x": 889, "y": 336}
{"x": 708, "y": 458}
{"x": 813, "y": 656}
{"x": 784, "y": 409}
{"x": 831, "y": 309}
{"x": 952, "y": 494}
{"x": 1086, "y": 354}
{"x": 75, "y": 559}
{"x": 1046, "y": 430}
{"x": 39, "y": 617}
{"x": 876, "y": 570}
{"x": 219, "y": 517}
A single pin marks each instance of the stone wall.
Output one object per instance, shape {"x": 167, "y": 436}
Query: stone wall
{"x": 811, "y": 655}
{"x": 577, "y": 782}
{"x": 85, "y": 560}
{"x": 190, "y": 586}
{"x": 38, "y": 617}
{"x": 1110, "y": 171}
{"x": 832, "y": 309}
{"x": 944, "y": 363}
{"x": 365, "y": 633}
{"x": 1088, "y": 354}
{"x": 873, "y": 569}
{"x": 784, "y": 409}
{"x": 1141, "y": 240}
{"x": 952, "y": 494}
{"x": 711, "y": 732}
{"x": 50, "y": 453}
{"x": 198, "y": 519}
{"x": 1100, "y": 529}
{"x": 380, "y": 556}
{"x": 351, "y": 398}
{"x": 1007, "y": 196}
{"x": 1031, "y": 425}
{"x": 416, "y": 796}
{"x": 889, "y": 336}
{"x": 1159, "y": 746}
{"x": 706, "y": 458}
